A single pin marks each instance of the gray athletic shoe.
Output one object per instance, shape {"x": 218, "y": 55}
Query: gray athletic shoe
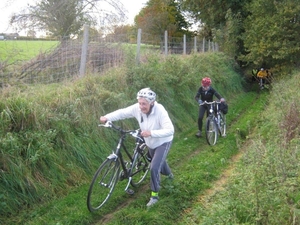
{"x": 199, "y": 134}
{"x": 171, "y": 176}
{"x": 152, "y": 201}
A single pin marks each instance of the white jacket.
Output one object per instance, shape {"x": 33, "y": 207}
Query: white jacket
{"x": 158, "y": 122}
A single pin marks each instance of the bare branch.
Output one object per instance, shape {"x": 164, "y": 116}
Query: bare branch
{"x": 65, "y": 18}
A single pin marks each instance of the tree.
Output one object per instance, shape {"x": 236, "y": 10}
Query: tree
{"x": 122, "y": 33}
{"x": 213, "y": 13}
{"x": 65, "y": 18}
{"x": 222, "y": 21}
{"x": 272, "y": 33}
{"x": 161, "y": 15}
{"x": 262, "y": 32}
{"x": 31, "y": 33}
{"x": 228, "y": 36}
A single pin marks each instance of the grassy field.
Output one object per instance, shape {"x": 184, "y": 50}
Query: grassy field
{"x": 16, "y": 50}
{"x": 51, "y": 146}
{"x": 195, "y": 164}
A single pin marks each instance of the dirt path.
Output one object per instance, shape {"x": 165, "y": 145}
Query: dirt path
{"x": 220, "y": 183}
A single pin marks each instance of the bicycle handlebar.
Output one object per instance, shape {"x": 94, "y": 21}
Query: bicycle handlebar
{"x": 134, "y": 133}
{"x": 209, "y": 103}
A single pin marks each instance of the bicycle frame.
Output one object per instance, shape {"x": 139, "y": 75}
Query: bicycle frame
{"x": 217, "y": 115}
{"x": 117, "y": 154}
{"x": 115, "y": 168}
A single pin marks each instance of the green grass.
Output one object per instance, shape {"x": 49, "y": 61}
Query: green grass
{"x": 43, "y": 127}
{"x": 51, "y": 146}
{"x": 195, "y": 165}
{"x": 16, "y": 50}
{"x": 264, "y": 186}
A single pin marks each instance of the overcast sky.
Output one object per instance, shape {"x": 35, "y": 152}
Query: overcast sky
{"x": 6, "y": 9}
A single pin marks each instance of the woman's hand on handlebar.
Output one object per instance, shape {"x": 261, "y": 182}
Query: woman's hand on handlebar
{"x": 146, "y": 133}
{"x": 103, "y": 119}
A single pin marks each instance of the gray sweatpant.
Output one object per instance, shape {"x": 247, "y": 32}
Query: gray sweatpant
{"x": 159, "y": 164}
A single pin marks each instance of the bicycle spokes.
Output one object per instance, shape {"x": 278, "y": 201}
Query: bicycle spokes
{"x": 103, "y": 184}
{"x": 140, "y": 168}
{"x": 108, "y": 174}
{"x": 211, "y": 131}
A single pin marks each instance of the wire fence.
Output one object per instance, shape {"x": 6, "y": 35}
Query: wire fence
{"x": 61, "y": 60}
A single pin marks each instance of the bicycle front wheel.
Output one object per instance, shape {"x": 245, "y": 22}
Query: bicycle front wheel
{"x": 140, "y": 167}
{"x": 211, "y": 131}
{"x": 103, "y": 184}
{"x": 222, "y": 125}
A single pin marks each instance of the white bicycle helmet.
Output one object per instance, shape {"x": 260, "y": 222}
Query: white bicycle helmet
{"x": 146, "y": 93}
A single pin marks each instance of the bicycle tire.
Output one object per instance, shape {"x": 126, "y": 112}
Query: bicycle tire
{"x": 211, "y": 131}
{"x": 103, "y": 184}
{"x": 140, "y": 168}
{"x": 222, "y": 129}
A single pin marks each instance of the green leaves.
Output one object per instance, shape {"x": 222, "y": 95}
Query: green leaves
{"x": 272, "y": 32}
{"x": 159, "y": 16}
{"x": 262, "y": 32}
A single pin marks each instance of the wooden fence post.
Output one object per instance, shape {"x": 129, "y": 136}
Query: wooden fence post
{"x": 138, "y": 48}
{"x": 84, "y": 51}
{"x": 184, "y": 44}
{"x": 166, "y": 42}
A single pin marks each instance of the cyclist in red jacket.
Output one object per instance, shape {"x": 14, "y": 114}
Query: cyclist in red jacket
{"x": 205, "y": 93}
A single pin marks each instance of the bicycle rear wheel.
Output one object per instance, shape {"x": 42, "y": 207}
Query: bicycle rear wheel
{"x": 140, "y": 167}
{"x": 103, "y": 184}
{"x": 211, "y": 131}
{"x": 222, "y": 125}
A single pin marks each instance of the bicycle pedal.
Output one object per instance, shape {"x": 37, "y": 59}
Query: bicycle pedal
{"x": 130, "y": 191}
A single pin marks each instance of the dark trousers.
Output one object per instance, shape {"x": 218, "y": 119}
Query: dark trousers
{"x": 202, "y": 110}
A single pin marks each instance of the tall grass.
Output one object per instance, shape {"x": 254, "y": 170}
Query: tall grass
{"x": 49, "y": 136}
{"x": 264, "y": 189}
{"x": 50, "y": 143}
{"x": 195, "y": 165}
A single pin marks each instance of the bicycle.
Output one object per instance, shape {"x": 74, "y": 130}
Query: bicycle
{"x": 263, "y": 79}
{"x": 115, "y": 168}
{"x": 215, "y": 122}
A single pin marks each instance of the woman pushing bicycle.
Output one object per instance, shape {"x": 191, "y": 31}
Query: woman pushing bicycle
{"x": 205, "y": 93}
{"x": 157, "y": 130}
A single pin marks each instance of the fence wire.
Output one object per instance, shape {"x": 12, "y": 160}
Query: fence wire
{"x": 63, "y": 59}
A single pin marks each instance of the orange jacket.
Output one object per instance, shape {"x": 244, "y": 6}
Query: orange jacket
{"x": 262, "y": 74}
